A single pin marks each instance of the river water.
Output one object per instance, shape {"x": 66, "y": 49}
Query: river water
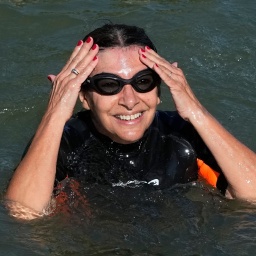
{"x": 214, "y": 43}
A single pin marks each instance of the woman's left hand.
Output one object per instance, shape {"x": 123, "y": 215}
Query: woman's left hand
{"x": 235, "y": 159}
{"x": 185, "y": 101}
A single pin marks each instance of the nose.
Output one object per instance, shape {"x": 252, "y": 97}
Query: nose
{"x": 128, "y": 97}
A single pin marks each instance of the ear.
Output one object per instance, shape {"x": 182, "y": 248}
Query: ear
{"x": 84, "y": 99}
{"x": 158, "y": 100}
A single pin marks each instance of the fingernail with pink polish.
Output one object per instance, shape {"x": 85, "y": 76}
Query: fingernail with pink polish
{"x": 80, "y": 42}
{"x": 88, "y": 40}
{"x": 143, "y": 56}
{"x": 95, "y": 58}
{"x": 94, "y": 46}
{"x": 49, "y": 78}
{"x": 148, "y": 48}
{"x": 143, "y": 50}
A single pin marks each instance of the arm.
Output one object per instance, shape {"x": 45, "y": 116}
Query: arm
{"x": 237, "y": 162}
{"x": 32, "y": 182}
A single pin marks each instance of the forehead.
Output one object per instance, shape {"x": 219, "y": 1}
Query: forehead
{"x": 123, "y": 61}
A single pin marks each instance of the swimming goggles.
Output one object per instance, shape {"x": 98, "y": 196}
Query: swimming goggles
{"x": 110, "y": 84}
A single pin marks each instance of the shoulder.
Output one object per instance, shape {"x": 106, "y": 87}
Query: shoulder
{"x": 78, "y": 121}
{"x": 77, "y": 129}
{"x": 171, "y": 122}
{"x": 76, "y": 132}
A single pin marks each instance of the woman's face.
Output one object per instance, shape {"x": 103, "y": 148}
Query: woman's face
{"x": 123, "y": 117}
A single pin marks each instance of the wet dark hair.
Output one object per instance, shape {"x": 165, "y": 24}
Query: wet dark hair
{"x": 120, "y": 35}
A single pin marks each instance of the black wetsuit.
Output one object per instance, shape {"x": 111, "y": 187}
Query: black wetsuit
{"x": 166, "y": 154}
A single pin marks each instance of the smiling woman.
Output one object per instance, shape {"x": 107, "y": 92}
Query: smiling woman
{"x": 120, "y": 138}
{"x": 114, "y": 114}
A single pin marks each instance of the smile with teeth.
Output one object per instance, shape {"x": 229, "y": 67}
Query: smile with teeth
{"x": 129, "y": 117}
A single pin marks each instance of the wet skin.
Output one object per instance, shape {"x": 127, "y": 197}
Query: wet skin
{"x": 123, "y": 117}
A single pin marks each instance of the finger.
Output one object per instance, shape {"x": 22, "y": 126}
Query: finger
{"x": 80, "y": 52}
{"x": 156, "y": 58}
{"x": 78, "y": 67}
{"x": 91, "y": 56}
{"x": 171, "y": 73}
{"x": 170, "y": 78}
{"x": 145, "y": 60}
{"x": 86, "y": 70}
{"x": 51, "y": 78}
{"x": 148, "y": 49}
{"x": 175, "y": 82}
{"x": 83, "y": 68}
{"x": 165, "y": 74}
{"x": 175, "y": 64}
{"x": 166, "y": 70}
{"x": 80, "y": 43}
{"x": 150, "y": 59}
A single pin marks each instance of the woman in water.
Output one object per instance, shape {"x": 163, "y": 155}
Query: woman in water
{"x": 121, "y": 138}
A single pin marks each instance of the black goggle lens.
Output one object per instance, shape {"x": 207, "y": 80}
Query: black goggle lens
{"x": 109, "y": 84}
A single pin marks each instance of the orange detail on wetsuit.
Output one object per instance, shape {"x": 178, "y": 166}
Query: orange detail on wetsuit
{"x": 69, "y": 198}
{"x": 207, "y": 173}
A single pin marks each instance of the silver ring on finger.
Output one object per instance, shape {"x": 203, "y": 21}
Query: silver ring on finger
{"x": 75, "y": 71}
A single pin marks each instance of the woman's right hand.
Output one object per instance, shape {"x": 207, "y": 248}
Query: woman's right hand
{"x": 66, "y": 85}
{"x": 32, "y": 183}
